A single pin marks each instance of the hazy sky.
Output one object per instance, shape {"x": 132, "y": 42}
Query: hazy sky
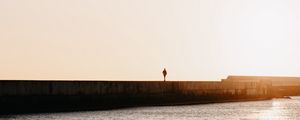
{"x": 136, "y": 39}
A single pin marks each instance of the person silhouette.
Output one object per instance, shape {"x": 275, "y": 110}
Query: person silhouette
{"x": 165, "y": 74}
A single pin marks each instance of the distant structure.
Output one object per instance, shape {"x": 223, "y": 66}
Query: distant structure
{"x": 274, "y": 80}
{"x": 277, "y": 86}
{"x": 165, "y": 74}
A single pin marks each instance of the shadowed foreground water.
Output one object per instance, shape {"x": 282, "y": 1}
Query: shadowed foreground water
{"x": 276, "y": 109}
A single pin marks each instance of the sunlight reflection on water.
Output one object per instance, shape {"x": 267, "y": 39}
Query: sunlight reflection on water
{"x": 280, "y": 109}
{"x": 276, "y": 109}
{"x": 273, "y": 113}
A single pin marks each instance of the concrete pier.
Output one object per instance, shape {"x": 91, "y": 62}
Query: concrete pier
{"x": 145, "y": 88}
{"x": 39, "y": 95}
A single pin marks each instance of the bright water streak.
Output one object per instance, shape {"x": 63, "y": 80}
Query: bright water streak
{"x": 276, "y": 109}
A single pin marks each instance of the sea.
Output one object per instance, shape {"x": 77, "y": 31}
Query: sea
{"x": 275, "y": 109}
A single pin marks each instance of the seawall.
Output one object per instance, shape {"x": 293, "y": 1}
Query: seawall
{"x": 34, "y": 95}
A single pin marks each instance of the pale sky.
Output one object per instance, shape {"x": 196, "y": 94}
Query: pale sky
{"x": 136, "y": 39}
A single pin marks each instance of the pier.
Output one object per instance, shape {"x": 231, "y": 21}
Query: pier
{"x": 57, "y": 95}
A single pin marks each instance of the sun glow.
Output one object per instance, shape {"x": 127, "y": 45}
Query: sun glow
{"x": 134, "y": 40}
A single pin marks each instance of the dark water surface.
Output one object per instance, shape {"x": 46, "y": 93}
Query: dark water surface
{"x": 276, "y": 109}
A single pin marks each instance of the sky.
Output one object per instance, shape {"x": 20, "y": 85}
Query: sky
{"x": 136, "y": 39}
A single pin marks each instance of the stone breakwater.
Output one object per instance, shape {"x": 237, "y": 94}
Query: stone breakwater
{"x": 54, "y": 95}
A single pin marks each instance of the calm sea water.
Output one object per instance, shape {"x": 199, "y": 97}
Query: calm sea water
{"x": 276, "y": 109}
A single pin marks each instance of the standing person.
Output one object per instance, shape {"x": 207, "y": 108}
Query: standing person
{"x": 165, "y": 74}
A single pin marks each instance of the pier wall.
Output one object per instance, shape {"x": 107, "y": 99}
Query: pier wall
{"x": 25, "y": 88}
{"x": 38, "y": 95}
{"x": 225, "y": 88}
{"x": 277, "y": 86}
